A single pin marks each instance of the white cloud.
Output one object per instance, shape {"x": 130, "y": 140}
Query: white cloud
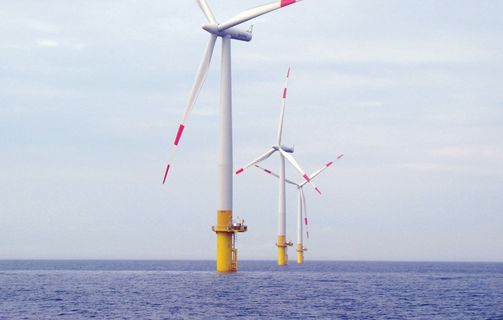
{"x": 47, "y": 43}
{"x": 475, "y": 153}
{"x": 38, "y": 25}
{"x": 414, "y": 51}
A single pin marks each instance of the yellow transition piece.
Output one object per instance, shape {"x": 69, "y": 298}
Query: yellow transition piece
{"x": 300, "y": 254}
{"x": 282, "y": 255}
{"x": 227, "y": 254}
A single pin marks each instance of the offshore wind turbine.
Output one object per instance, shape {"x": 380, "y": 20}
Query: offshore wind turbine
{"x": 285, "y": 153}
{"x": 301, "y": 206}
{"x": 225, "y": 230}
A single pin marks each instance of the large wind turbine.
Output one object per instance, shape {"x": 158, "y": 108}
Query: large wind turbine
{"x": 285, "y": 153}
{"x": 301, "y": 206}
{"x": 226, "y": 252}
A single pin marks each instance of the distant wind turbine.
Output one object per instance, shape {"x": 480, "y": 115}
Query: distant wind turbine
{"x": 285, "y": 153}
{"x": 301, "y": 206}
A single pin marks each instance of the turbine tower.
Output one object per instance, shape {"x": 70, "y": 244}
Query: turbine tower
{"x": 225, "y": 229}
{"x": 285, "y": 153}
{"x": 301, "y": 206}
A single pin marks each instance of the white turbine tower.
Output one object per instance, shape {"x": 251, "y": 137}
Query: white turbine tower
{"x": 226, "y": 252}
{"x": 301, "y": 206}
{"x": 285, "y": 152}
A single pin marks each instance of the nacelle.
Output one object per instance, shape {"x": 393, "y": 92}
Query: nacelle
{"x": 284, "y": 148}
{"x": 234, "y": 33}
{"x": 287, "y": 149}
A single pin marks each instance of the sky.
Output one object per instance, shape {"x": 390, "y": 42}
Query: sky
{"x": 91, "y": 94}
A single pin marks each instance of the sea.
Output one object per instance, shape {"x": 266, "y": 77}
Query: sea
{"x": 88, "y": 289}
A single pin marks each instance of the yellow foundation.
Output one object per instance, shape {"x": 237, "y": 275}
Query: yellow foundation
{"x": 227, "y": 254}
{"x": 300, "y": 254}
{"x": 224, "y": 241}
{"x": 282, "y": 255}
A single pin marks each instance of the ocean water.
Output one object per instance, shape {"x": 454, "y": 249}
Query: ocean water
{"x": 193, "y": 290}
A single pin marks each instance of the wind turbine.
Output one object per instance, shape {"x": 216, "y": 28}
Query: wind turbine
{"x": 285, "y": 153}
{"x": 225, "y": 230}
{"x": 301, "y": 206}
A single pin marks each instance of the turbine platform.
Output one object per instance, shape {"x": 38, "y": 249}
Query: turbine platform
{"x": 232, "y": 228}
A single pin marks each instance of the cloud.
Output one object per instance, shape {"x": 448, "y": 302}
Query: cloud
{"x": 47, "y": 43}
{"x": 38, "y": 26}
{"x": 414, "y": 51}
{"x": 476, "y": 153}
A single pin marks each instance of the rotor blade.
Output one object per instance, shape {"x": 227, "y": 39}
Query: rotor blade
{"x": 275, "y": 174}
{"x": 304, "y": 210}
{"x": 283, "y": 102}
{"x": 316, "y": 173}
{"x": 207, "y": 11}
{"x": 254, "y": 12}
{"x": 196, "y": 88}
{"x": 261, "y": 158}
{"x": 299, "y": 169}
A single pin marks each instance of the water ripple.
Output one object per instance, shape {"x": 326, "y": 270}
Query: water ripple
{"x": 192, "y": 290}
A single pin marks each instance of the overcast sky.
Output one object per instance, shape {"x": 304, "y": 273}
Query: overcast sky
{"x": 91, "y": 93}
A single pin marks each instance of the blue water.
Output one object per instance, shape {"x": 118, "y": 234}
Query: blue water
{"x": 193, "y": 290}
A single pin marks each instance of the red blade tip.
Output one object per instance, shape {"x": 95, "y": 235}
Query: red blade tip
{"x": 307, "y": 177}
{"x": 240, "y": 170}
{"x": 287, "y": 2}
{"x": 179, "y": 134}
{"x": 330, "y": 163}
{"x": 165, "y": 174}
{"x": 318, "y": 190}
